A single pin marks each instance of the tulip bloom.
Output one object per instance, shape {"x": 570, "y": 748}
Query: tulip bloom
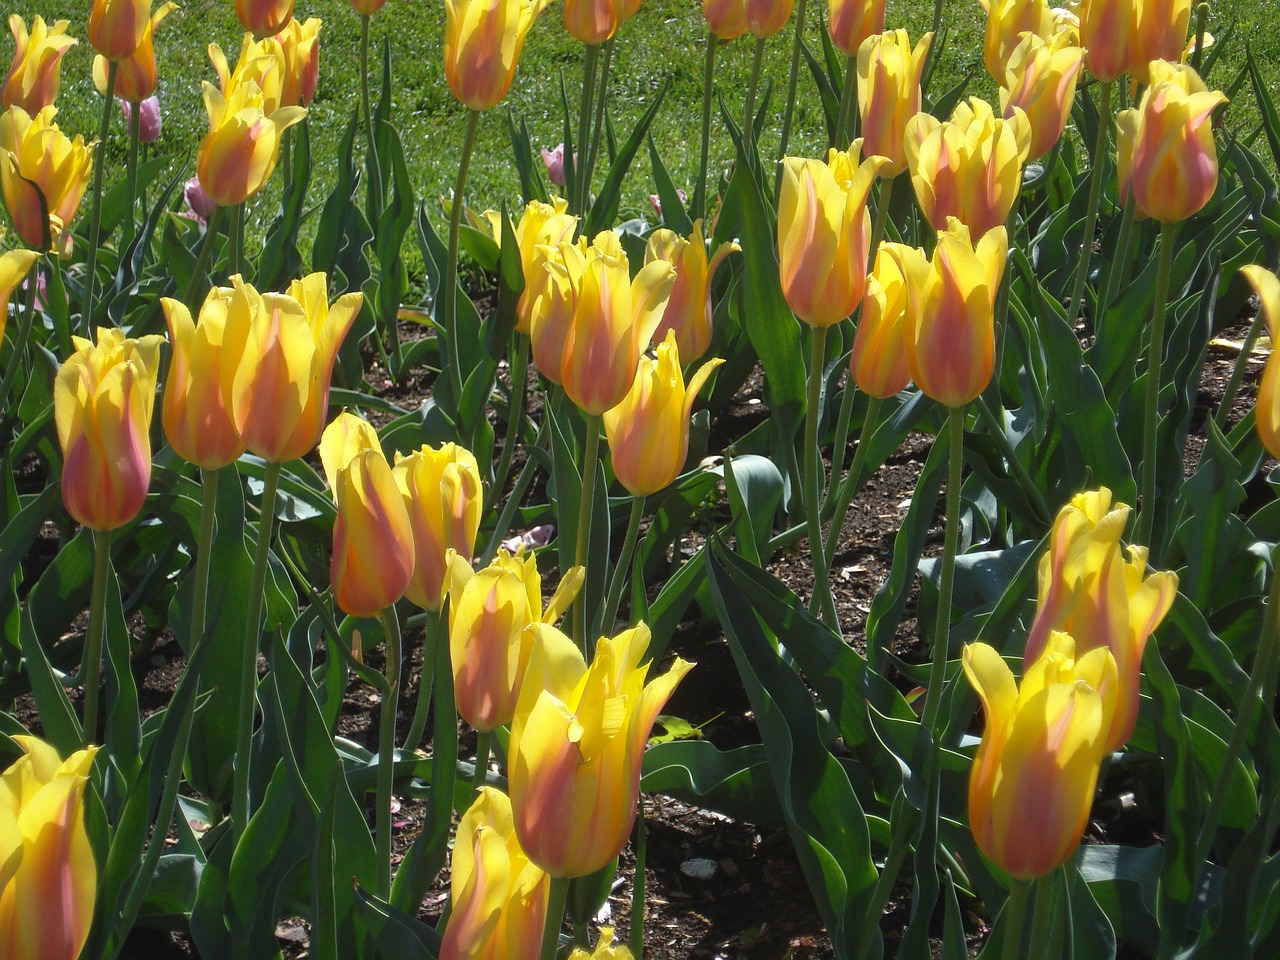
{"x": 367, "y": 8}
{"x": 613, "y": 319}
{"x": 767, "y": 17}
{"x": 261, "y": 62}
{"x": 969, "y": 167}
{"x": 43, "y": 174}
{"x": 553, "y": 160}
{"x": 1267, "y": 413}
{"x": 197, "y": 416}
{"x": 878, "y": 363}
{"x": 263, "y": 18}
{"x": 116, "y": 27}
{"x": 951, "y": 343}
{"x": 149, "y": 118}
{"x": 442, "y": 491}
{"x": 592, "y": 21}
{"x": 1165, "y": 148}
{"x": 1107, "y": 33}
{"x": 577, "y": 742}
{"x": 14, "y": 265}
{"x": 688, "y": 311}
{"x": 499, "y": 896}
{"x": 102, "y": 400}
{"x": 726, "y": 19}
{"x": 36, "y": 73}
{"x": 277, "y": 360}
{"x": 1033, "y": 778}
{"x": 554, "y": 302}
{"x": 1161, "y": 34}
{"x": 853, "y": 21}
{"x": 240, "y": 150}
{"x": 542, "y": 227}
{"x": 136, "y": 73}
{"x": 824, "y": 233}
{"x": 482, "y": 43}
{"x": 1007, "y": 22}
{"x": 605, "y": 949}
{"x": 491, "y": 618}
{"x": 889, "y": 72}
{"x": 1040, "y": 80}
{"x": 48, "y": 876}
{"x": 1089, "y": 590}
{"x": 300, "y": 58}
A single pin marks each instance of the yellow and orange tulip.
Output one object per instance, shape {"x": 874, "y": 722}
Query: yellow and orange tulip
{"x": 116, "y": 27}
{"x": 592, "y": 21}
{"x": 14, "y": 266}
{"x": 1161, "y": 34}
{"x": 853, "y": 21}
{"x": 542, "y": 228}
{"x": 767, "y": 17}
{"x": 367, "y": 8}
{"x": 1040, "y": 80}
{"x": 264, "y": 18}
{"x": 136, "y": 73}
{"x": 1107, "y": 31}
{"x": 261, "y": 62}
{"x": 482, "y": 43}
{"x": 36, "y": 72}
{"x": 1009, "y": 20}
{"x": 1268, "y": 405}
{"x": 889, "y": 72}
{"x": 300, "y": 56}
{"x": 878, "y": 363}
{"x": 605, "y": 949}
{"x": 726, "y": 19}
{"x": 554, "y": 301}
{"x": 43, "y": 174}
{"x": 688, "y": 310}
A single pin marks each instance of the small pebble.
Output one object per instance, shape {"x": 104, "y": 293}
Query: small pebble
{"x": 699, "y": 868}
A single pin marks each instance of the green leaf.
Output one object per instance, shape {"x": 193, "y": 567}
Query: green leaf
{"x": 674, "y": 214}
{"x": 604, "y": 211}
{"x": 397, "y": 935}
{"x": 280, "y": 261}
{"x": 735, "y": 782}
{"x": 755, "y": 491}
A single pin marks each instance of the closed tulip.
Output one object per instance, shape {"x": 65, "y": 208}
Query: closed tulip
{"x": 1267, "y": 414}
{"x": 116, "y": 27}
{"x": 482, "y": 43}
{"x": 442, "y": 490}
{"x": 14, "y": 266}
{"x": 592, "y": 21}
{"x": 48, "y": 875}
{"x": 968, "y": 167}
{"x": 1040, "y": 80}
{"x": 239, "y": 152}
{"x": 767, "y": 17}
{"x": 824, "y": 233}
{"x": 726, "y": 19}
{"x": 367, "y": 8}
{"x": 36, "y": 72}
{"x": 43, "y": 174}
{"x": 852, "y": 21}
{"x": 613, "y": 320}
{"x": 605, "y": 949}
{"x": 197, "y": 415}
{"x": 1088, "y": 589}
{"x": 103, "y": 397}
{"x": 577, "y": 742}
{"x": 889, "y": 72}
{"x": 1161, "y": 34}
{"x": 648, "y": 431}
{"x": 263, "y": 18}
{"x": 1107, "y": 31}
{"x": 300, "y": 55}
{"x": 878, "y": 363}
{"x": 491, "y": 617}
{"x": 1165, "y": 149}
{"x": 554, "y": 302}
{"x": 150, "y": 120}
{"x": 1032, "y": 782}
{"x": 951, "y": 344}
{"x": 499, "y": 897}
{"x": 136, "y": 73}
{"x": 277, "y": 361}
{"x": 541, "y": 228}
{"x": 1007, "y": 22}
{"x": 372, "y": 538}
{"x": 688, "y": 311}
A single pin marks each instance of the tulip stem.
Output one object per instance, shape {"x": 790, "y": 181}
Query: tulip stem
{"x": 1042, "y": 914}
{"x": 590, "y": 59}
{"x": 590, "y": 458}
{"x": 93, "y": 639}
{"x": 597, "y": 125}
{"x": 1237, "y": 373}
{"x": 1151, "y": 416}
{"x": 366, "y": 103}
{"x": 484, "y": 748}
{"x": 387, "y": 747}
{"x": 1091, "y": 210}
{"x": 788, "y": 110}
{"x": 131, "y": 161}
{"x": 699, "y": 206}
{"x": 849, "y": 486}
{"x": 848, "y": 108}
{"x": 95, "y": 211}
{"x": 237, "y": 240}
{"x": 509, "y": 508}
{"x": 822, "y": 598}
{"x": 884, "y": 885}
{"x": 414, "y": 738}
{"x": 749, "y": 110}
{"x": 449, "y": 282}
{"x": 202, "y": 258}
{"x": 249, "y": 654}
{"x": 1120, "y": 264}
{"x": 1015, "y": 915}
{"x": 25, "y": 323}
{"x": 200, "y": 575}
{"x": 515, "y": 411}
{"x": 1016, "y": 466}
{"x": 942, "y": 626}
{"x": 557, "y": 898}
{"x": 620, "y": 577}
{"x": 637, "y": 884}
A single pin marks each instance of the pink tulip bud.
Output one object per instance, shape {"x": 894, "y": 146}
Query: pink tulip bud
{"x": 148, "y": 119}
{"x": 554, "y": 160}
{"x": 201, "y": 203}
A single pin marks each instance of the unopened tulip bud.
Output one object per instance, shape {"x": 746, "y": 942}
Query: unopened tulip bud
{"x": 263, "y": 18}
{"x": 553, "y": 160}
{"x": 688, "y": 311}
{"x": 1040, "y": 80}
{"x": 852, "y": 21}
{"x": 136, "y": 73}
{"x": 726, "y": 19}
{"x": 201, "y": 203}
{"x": 117, "y": 27}
{"x": 1161, "y": 34}
{"x": 1267, "y": 416}
{"x": 878, "y": 363}
{"x": 889, "y": 72}
{"x": 1107, "y": 32}
{"x": 36, "y": 72}
{"x": 767, "y": 17}
{"x": 300, "y": 53}
{"x": 482, "y": 44}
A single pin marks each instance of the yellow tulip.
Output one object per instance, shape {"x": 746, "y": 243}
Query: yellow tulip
{"x": 103, "y": 397}
{"x": 592, "y": 21}
{"x": 261, "y": 62}
{"x": 889, "y": 72}
{"x": 36, "y": 73}
{"x": 1033, "y": 778}
{"x": 577, "y": 742}
{"x": 853, "y": 21}
{"x": 605, "y": 949}
{"x": 554, "y": 302}
{"x": 824, "y": 233}
{"x": 43, "y": 174}
{"x": 442, "y": 490}
{"x": 1007, "y": 22}
{"x": 542, "y": 228}
{"x": 197, "y": 415}
{"x": 878, "y": 362}
{"x": 277, "y": 360}
{"x": 136, "y": 73}
{"x": 263, "y": 18}
{"x": 367, "y": 8}
{"x": 613, "y": 320}
{"x": 482, "y": 43}
{"x": 239, "y": 152}
{"x": 726, "y": 19}
{"x": 499, "y": 897}
{"x": 116, "y": 27}
{"x": 688, "y": 311}
{"x": 1040, "y": 79}
{"x": 1160, "y": 34}
{"x": 491, "y": 618}
{"x": 14, "y": 266}
{"x": 767, "y": 17}
{"x": 48, "y": 876}
{"x": 300, "y": 57}
{"x": 1107, "y": 34}
{"x": 968, "y": 167}
{"x": 1267, "y": 414}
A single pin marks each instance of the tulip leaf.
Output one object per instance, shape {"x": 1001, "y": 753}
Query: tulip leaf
{"x": 397, "y": 936}
{"x": 392, "y": 224}
{"x": 123, "y": 737}
{"x": 280, "y": 261}
{"x": 755, "y": 491}
{"x": 1123, "y": 882}
{"x": 532, "y": 186}
{"x": 57, "y": 716}
{"x": 1266, "y": 104}
{"x": 1203, "y": 527}
{"x": 733, "y": 782}
{"x": 667, "y": 611}
{"x": 117, "y": 201}
{"x": 22, "y": 529}
{"x": 605, "y": 208}
{"x": 674, "y": 214}
{"x": 828, "y": 94}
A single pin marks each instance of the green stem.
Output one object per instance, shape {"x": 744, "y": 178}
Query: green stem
{"x": 1155, "y": 358}
{"x": 202, "y": 258}
{"x": 590, "y": 59}
{"x": 849, "y": 486}
{"x": 749, "y": 110}
{"x": 942, "y": 627}
{"x": 249, "y": 654}
{"x": 708, "y": 77}
{"x": 25, "y": 323}
{"x": 93, "y": 639}
{"x": 509, "y": 509}
{"x": 1015, "y": 913}
{"x": 1237, "y": 373}
{"x": 387, "y": 747}
{"x": 57, "y": 294}
{"x": 556, "y": 900}
{"x": 1091, "y": 211}
{"x": 449, "y": 282}
{"x": 237, "y": 241}
{"x": 95, "y": 211}
{"x": 590, "y": 458}
{"x": 848, "y": 108}
{"x": 131, "y": 161}
{"x": 433, "y": 636}
{"x": 893, "y": 861}
{"x": 793, "y": 78}
{"x": 637, "y": 885}
{"x": 1016, "y": 466}
{"x": 366, "y": 104}
{"x": 822, "y": 598}
{"x": 200, "y": 581}
{"x": 1042, "y": 915}
{"x": 515, "y": 412}
{"x": 484, "y": 746}
{"x": 620, "y": 577}
{"x": 286, "y": 153}
{"x": 1119, "y": 264}
{"x": 845, "y": 417}
{"x": 597, "y": 125}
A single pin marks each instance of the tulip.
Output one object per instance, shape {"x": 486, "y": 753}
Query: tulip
{"x": 592, "y": 21}
{"x": 969, "y": 167}
{"x": 648, "y": 431}
{"x": 605, "y": 949}
{"x": 491, "y": 619}
{"x": 1089, "y": 590}
{"x": 48, "y": 876}
{"x": 688, "y": 311}
{"x": 577, "y": 741}
{"x": 613, "y": 319}
{"x": 240, "y": 150}
{"x": 14, "y": 265}
{"x": 1033, "y": 778}
{"x": 767, "y": 17}
{"x": 201, "y": 204}
{"x": 36, "y": 73}
{"x": 1007, "y": 22}
{"x": 367, "y": 8}
{"x": 263, "y": 18}
{"x": 554, "y": 301}
{"x": 102, "y": 401}
{"x": 136, "y": 73}
{"x": 261, "y": 62}
{"x": 1040, "y": 80}
{"x": 482, "y": 43}
{"x": 951, "y": 343}
{"x": 43, "y": 174}
{"x": 1107, "y": 32}
{"x": 1161, "y": 34}
{"x": 852, "y": 21}
{"x": 553, "y": 160}
{"x": 277, "y": 359}
{"x": 117, "y": 27}
{"x": 442, "y": 491}
{"x": 499, "y": 896}
{"x": 197, "y": 418}
{"x": 1165, "y": 147}
{"x": 726, "y": 19}
{"x": 1267, "y": 413}
{"x": 300, "y": 58}
{"x": 878, "y": 363}
{"x": 824, "y": 233}
{"x": 149, "y": 118}
{"x": 542, "y": 227}
{"x": 889, "y": 72}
